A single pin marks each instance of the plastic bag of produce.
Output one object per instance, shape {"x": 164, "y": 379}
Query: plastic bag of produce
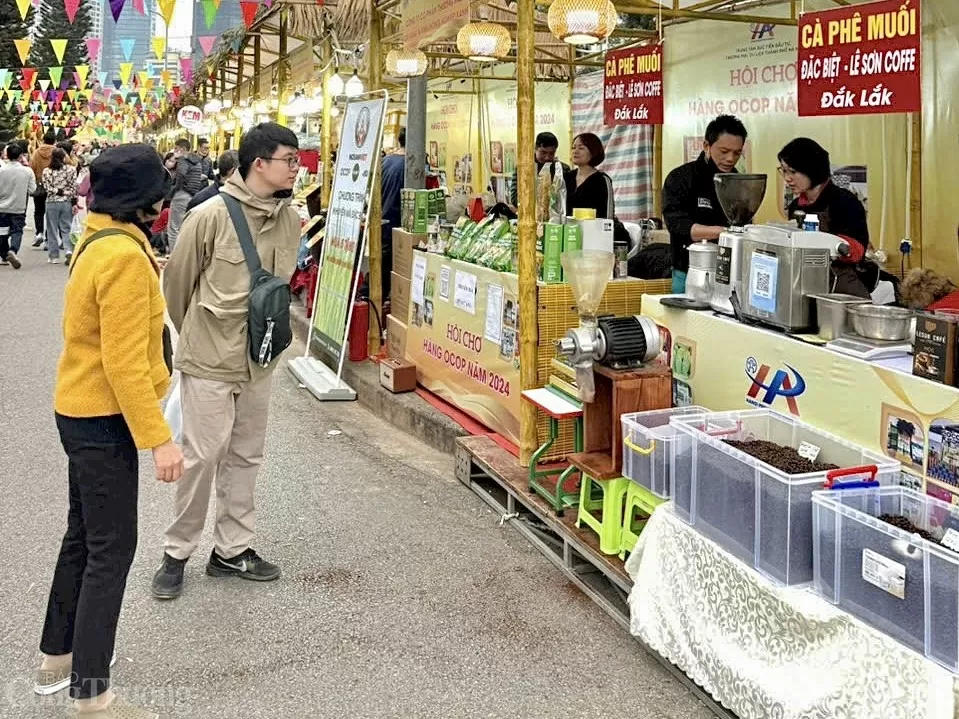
{"x": 557, "y": 195}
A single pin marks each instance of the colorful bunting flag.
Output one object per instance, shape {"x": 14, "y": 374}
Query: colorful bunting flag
{"x": 59, "y": 97}
{"x": 24, "y": 7}
{"x": 138, "y": 6}
{"x": 81, "y": 75}
{"x": 71, "y": 6}
{"x": 159, "y": 46}
{"x": 209, "y": 13}
{"x": 23, "y": 48}
{"x": 206, "y": 43}
{"x": 72, "y": 94}
{"x": 29, "y": 74}
{"x": 166, "y": 10}
{"x": 249, "y": 11}
{"x": 93, "y": 48}
{"x": 126, "y": 68}
{"x": 59, "y": 48}
{"x": 126, "y": 45}
{"x": 5, "y": 77}
{"x": 56, "y": 73}
{"x": 44, "y": 84}
{"x": 116, "y": 7}
{"x": 186, "y": 69}
{"x": 166, "y": 78}
{"x": 269, "y": 3}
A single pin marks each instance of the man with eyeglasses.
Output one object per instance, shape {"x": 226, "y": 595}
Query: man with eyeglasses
{"x": 691, "y": 209}
{"x": 224, "y": 395}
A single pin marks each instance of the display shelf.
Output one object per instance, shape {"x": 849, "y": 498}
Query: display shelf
{"x": 495, "y": 476}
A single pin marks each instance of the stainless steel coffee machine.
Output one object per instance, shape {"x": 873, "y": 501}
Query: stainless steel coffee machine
{"x": 740, "y": 197}
{"x": 782, "y": 268}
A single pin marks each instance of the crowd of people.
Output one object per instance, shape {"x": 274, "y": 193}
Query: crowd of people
{"x": 118, "y": 362}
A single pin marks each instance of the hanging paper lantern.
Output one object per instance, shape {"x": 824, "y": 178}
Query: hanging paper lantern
{"x": 354, "y": 86}
{"x": 483, "y": 41}
{"x": 334, "y": 85}
{"x": 582, "y": 22}
{"x": 406, "y": 63}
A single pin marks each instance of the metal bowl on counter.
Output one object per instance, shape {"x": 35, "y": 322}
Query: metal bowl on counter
{"x": 891, "y": 324}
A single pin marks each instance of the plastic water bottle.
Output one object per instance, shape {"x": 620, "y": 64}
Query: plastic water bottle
{"x": 811, "y": 223}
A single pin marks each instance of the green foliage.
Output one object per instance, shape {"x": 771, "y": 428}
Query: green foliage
{"x": 54, "y": 24}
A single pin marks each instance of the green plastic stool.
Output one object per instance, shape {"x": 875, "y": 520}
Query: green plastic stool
{"x": 556, "y": 406}
{"x": 610, "y": 500}
{"x": 641, "y": 501}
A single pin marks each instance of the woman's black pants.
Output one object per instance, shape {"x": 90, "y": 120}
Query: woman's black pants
{"x": 97, "y": 549}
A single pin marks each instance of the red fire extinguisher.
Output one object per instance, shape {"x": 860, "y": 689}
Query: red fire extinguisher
{"x": 359, "y": 331}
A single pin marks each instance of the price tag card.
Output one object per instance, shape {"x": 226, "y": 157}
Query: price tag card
{"x": 464, "y": 292}
{"x": 419, "y": 280}
{"x": 809, "y": 451}
{"x": 763, "y": 281}
{"x": 884, "y": 573}
{"x": 494, "y": 314}
{"x": 951, "y": 540}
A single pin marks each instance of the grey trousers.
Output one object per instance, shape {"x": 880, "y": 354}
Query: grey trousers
{"x": 59, "y": 215}
{"x": 177, "y": 210}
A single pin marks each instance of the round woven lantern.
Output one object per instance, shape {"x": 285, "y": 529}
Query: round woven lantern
{"x": 405, "y": 63}
{"x": 582, "y": 22}
{"x": 483, "y": 41}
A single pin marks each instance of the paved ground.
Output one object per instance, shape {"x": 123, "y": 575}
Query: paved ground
{"x": 401, "y": 595}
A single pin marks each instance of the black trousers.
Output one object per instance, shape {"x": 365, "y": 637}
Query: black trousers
{"x": 39, "y": 212}
{"x": 97, "y": 549}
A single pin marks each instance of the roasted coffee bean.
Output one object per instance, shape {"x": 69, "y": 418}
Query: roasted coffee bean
{"x": 905, "y": 525}
{"x": 785, "y": 459}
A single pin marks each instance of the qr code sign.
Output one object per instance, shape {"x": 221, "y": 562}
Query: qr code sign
{"x": 763, "y": 284}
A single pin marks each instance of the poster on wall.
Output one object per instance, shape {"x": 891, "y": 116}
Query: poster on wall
{"x": 426, "y": 21}
{"x": 861, "y": 59}
{"x": 345, "y": 238}
{"x": 633, "y": 86}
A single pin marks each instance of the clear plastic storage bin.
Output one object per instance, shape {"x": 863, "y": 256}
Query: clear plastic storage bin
{"x": 757, "y": 512}
{"x": 900, "y": 583}
{"x": 649, "y": 445}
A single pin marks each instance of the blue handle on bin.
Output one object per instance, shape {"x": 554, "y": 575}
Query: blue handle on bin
{"x": 854, "y": 485}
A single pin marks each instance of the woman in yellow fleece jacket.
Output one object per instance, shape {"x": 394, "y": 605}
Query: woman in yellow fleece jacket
{"x": 111, "y": 378}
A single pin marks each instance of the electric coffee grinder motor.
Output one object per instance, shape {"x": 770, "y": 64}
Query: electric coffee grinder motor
{"x": 740, "y": 196}
{"x": 617, "y": 342}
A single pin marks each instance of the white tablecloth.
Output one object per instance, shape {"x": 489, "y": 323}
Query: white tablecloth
{"x": 769, "y": 652}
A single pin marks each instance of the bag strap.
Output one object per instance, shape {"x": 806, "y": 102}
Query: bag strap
{"x": 98, "y": 235}
{"x": 242, "y": 232}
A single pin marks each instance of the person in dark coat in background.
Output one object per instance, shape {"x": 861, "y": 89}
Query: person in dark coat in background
{"x": 226, "y": 165}
{"x": 394, "y": 179}
{"x": 691, "y": 210}
{"x": 804, "y": 165}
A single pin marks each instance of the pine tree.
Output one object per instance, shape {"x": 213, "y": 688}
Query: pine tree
{"x": 53, "y": 25}
{"x": 12, "y": 27}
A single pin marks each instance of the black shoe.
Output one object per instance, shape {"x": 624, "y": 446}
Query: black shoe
{"x": 247, "y": 565}
{"x": 168, "y": 581}
{"x": 37, "y": 242}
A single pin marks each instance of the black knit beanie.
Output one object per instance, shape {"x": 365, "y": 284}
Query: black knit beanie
{"x": 127, "y": 178}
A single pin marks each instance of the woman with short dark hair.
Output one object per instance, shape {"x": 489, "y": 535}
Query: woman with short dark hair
{"x": 587, "y": 187}
{"x": 59, "y": 181}
{"x": 113, "y": 372}
{"x": 806, "y": 170}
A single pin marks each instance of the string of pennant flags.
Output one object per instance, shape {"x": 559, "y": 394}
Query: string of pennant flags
{"x": 249, "y": 8}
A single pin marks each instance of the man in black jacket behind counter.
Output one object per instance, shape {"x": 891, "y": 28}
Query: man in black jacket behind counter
{"x": 691, "y": 209}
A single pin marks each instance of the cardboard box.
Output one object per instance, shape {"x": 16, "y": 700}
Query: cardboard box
{"x": 935, "y": 356}
{"x": 395, "y": 337}
{"x": 400, "y": 296}
{"x": 403, "y": 244}
{"x": 552, "y": 252}
{"x": 398, "y": 375}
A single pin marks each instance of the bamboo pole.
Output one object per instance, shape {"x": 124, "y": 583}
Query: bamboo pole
{"x": 375, "y": 217}
{"x": 915, "y": 191}
{"x": 282, "y": 64}
{"x": 699, "y": 15}
{"x": 526, "y": 171}
{"x": 257, "y": 67}
{"x": 326, "y": 151}
{"x": 657, "y": 171}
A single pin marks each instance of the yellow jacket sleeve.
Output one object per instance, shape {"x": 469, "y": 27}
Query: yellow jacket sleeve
{"x": 123, "y": 298}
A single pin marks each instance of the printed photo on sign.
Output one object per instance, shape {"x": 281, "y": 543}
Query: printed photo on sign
{"x": 904, "y": 438}
{"x": 508, "y": 347}
{"x": 943, "y": 454}
{"x": 445, "y": 283}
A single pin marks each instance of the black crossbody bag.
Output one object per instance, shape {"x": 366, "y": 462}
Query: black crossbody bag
{"x": 270, "y": 330}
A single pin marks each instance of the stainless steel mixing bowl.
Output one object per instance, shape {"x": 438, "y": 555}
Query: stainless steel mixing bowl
{"x": 891, "y": 324}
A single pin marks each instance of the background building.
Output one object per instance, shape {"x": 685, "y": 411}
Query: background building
{"x": 132, "y": 25}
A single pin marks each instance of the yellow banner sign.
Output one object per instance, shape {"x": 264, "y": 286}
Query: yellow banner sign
{"x": 463, "y": 337}
{"x": 426, "y": 21}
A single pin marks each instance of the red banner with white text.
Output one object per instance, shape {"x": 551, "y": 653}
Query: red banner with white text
{"x": 861, "y": 59}
{"x": 633, "y": 86}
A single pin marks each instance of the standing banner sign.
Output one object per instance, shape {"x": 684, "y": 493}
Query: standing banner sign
{"x": 633, "y": 86}
{"x": 861, "y": 59}
{"x": 344, "y": 245}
